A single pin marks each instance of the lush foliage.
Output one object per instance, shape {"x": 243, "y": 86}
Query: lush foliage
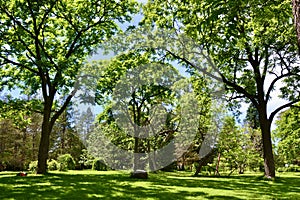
{"x": 52, "y": 165}
{"x": 43, "y": 48}
{"x": 33, "y": 166}
{"x": 288, "y": 134}
{"x": 240, "y": 43}
{"x": 66, "y": 162}
{"x": 237, "y": 149}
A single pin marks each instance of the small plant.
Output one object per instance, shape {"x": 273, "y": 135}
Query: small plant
{"x": 62, "y": 167}
{"x": 33, "y": 166}
{"x": 53, "y": 165}
{"x": 99, "y": 165}
{"x": 86, "y": 159}
{"x": 66, "y": 162}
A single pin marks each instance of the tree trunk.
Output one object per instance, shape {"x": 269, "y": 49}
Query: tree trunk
{"x": 218, "y": 164}
{"x": 203, "y": 161}
{"x": 23, "y": 156}
{"x": 45, "y": 140}
{"x": 136, "y": 155}
{"x": 296, "y": 13}
{"x": 269, "y": 163}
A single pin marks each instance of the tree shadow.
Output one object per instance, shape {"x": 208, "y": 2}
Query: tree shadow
{"x": 118, "y": 185}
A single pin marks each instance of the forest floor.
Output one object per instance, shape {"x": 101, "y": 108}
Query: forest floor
{"x": 163, "y": 185}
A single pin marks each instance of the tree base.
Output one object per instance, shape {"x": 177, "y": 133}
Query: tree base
{"x": 141, "y": 174}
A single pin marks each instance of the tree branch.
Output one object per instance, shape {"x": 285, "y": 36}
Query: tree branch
{"x": 223, "y": 79}
{"x": 272, "y": 115}
{"x": 64, "y": 106}
{"x": 19, "y": 64}
{"x": 274, "y": 82}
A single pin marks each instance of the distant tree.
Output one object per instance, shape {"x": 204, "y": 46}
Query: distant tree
{"x": 288, "y": 134}
{"x": 135, "y": 87}
{"x": 85, "y": 123}
{"x": 252, "y": 117}
{"x": 236, "y": 148}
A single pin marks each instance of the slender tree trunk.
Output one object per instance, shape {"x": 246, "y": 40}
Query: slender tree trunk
{"x": 265, "y": 126}
{"x": 136, "y": 155}
{"x": 63, "y": 134}
{"x": 218, "y": 164}
{"x": 24, "y": 137}
{"x": 203, "y": 161}
{"x": 33, "y": 150}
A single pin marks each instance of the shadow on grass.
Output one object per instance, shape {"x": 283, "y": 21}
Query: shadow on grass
{"x": 116, "y": 185}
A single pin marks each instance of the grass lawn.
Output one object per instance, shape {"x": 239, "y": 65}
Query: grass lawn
{"x": 163, "y": 185}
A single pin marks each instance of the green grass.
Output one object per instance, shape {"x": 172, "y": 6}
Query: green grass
{"x": 118, "y": 185}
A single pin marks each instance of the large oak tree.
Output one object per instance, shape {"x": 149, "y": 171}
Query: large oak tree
{"x": 44, "y": 43}
{"x": 250, "y": 45}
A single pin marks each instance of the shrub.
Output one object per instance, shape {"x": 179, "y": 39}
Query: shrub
{"x": 53, "y": 164}
{"x": 62, "y": 167}
{"x": 86, "y": 159}
{"x": 99, "y": 165}
{"x": 66, "y": 162}
{"x": 33, "y": 166}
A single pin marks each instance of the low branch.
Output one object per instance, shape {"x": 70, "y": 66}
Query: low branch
{"x": 281, "y": 108}
{"x": 63, "y": 108}
{"x": 274, "y": 82}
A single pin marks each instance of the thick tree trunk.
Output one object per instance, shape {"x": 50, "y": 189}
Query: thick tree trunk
{"x": 296, "y": 13}
{"x": 265, "y": 126}
{"x": 269, "y": 163}
{"x": 45, "y": 140}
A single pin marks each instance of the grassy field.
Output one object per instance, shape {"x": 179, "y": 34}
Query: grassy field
{"x": 163, "y": 185}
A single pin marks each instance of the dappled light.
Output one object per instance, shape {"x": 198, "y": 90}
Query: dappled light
{"x": 161, "y": 185}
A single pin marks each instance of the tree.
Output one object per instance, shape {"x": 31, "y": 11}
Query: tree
{"x": 147, "y": 104}
{"x": 19, "y": 135}
{"x": 236, "y": 147}
{"x": 288, "y": 133}
{"x": 252, "y": 117}
{"x": 296, "y": 13}
{"x": 45, "y": 43}
{"x": 84, "y": 123}
{"x": 241, "y": 43}
{"x": 135, "y": 89}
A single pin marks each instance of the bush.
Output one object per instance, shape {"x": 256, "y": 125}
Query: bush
{"x": 99, "y": 165}
{"x": 86, "y": 159}
{"x": 66, "y": 162}
{"x": 33, "y": 166}
{"x": 53, "y": 165}
{"x": 62, "y": 167}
